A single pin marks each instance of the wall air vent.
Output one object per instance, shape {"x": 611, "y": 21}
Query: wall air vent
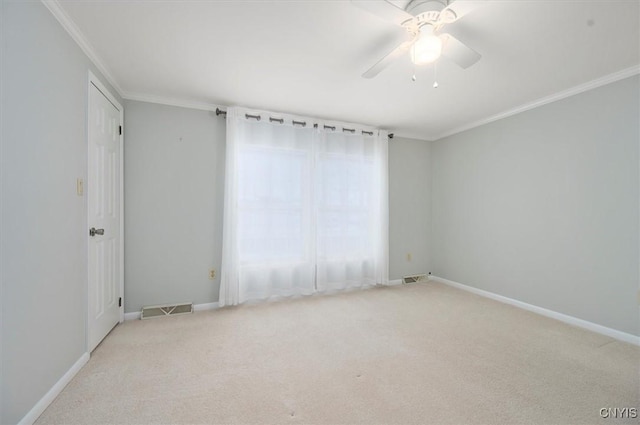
{"x": 149, "y": 312}
{"x": 415, "y": 278}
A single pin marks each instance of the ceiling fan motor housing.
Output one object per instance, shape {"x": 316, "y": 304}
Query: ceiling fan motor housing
{"x": 417, "y": 7}
{"x": 428, "y": 12}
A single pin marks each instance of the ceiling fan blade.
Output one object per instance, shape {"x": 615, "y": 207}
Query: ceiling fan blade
{"x": 459, "y": 9}
{"x": 385, "y": 10}
{"x": 385, "y": 61}
{"x": 458, "y": 52}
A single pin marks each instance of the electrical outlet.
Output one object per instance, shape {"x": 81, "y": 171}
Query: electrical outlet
{"x": 409, "y": 256}
{"x": 212, "y": 274}
{"x": 79, "y": 187}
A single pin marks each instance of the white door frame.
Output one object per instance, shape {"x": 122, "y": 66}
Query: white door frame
{"x": 93, "y": 80}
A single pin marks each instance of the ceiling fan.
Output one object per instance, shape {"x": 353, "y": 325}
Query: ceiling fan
{"x": 424, "y": 21}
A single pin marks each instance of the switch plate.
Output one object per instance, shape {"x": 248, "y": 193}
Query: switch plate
{"x": 79, "y": 187}
{"x": 409, "y": 256}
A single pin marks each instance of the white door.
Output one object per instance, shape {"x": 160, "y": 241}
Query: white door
{"x": 103, "y": 192}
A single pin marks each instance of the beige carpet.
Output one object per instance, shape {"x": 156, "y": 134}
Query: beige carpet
{"x": 422, "y": 353}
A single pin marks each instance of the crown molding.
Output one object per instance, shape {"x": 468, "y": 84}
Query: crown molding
{"x": 598, "y": 82}
{"x": 204, "y": 106}
{"x": 67, "y": 23}
{"x": 399, "y": 134}
{"x": 182, "y": 103}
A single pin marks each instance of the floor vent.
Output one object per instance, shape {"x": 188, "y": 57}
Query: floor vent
{"x": 149, "y": 312}
{"x": 415, "y": 278}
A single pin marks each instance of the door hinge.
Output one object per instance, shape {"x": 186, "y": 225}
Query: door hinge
{"x": 120, "y": 302}
{"x": 121, "y": 130}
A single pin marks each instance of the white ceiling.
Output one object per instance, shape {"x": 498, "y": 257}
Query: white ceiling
{"x": 307, "y": 57}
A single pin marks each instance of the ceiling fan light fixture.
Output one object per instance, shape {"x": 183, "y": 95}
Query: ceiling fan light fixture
{"x": 427, "y": 49}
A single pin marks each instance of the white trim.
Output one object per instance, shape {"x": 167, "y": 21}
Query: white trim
{"x": 121, "y": 259}
{"x": 51, "y": 395}
{"x": 67, "y": 23}
{"x": 181, "y": 103}
{"x": 399, "y": 134}
{"x": 593, "y": 84}
{"x": 135, "y": 315}
{"x": 395, "y": 282}
{"x": 603, "y": 330}
{"x": 207, "y": 306}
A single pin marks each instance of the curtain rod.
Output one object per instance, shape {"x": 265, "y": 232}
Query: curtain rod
{"x": 300, "y": 123}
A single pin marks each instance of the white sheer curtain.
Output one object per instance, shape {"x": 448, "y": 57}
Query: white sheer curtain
{"x": 306, "y": 209}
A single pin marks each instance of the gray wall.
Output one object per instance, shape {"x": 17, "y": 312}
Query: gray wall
{"x": 43, "y": 269}
{"x": 542, "y": 207}
{"x": 174, "y": 191}
{"x": 409, "y": 207}
{"x": 174, "y": 188}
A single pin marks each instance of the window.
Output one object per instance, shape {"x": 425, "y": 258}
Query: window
{"x": 305, "y": 209}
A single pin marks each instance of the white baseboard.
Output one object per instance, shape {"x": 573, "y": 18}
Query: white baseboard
{"x": 619, "y": 335}
{"x": 197, "y": 307}
{"x": 51, "y": 395}
{"x": 132, "y": 316}
{"x": 207, "y": 306}
{"x": 395, "y": 282}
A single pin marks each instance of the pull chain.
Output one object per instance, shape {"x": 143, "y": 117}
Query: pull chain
{"x": 413, "y": 77}
{"x": 435, "y": 75}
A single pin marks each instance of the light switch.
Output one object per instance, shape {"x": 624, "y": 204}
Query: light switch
{"x": 79, "y": 187}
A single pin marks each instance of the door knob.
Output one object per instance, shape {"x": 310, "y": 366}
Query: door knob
{"x": 93, "y": 231}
